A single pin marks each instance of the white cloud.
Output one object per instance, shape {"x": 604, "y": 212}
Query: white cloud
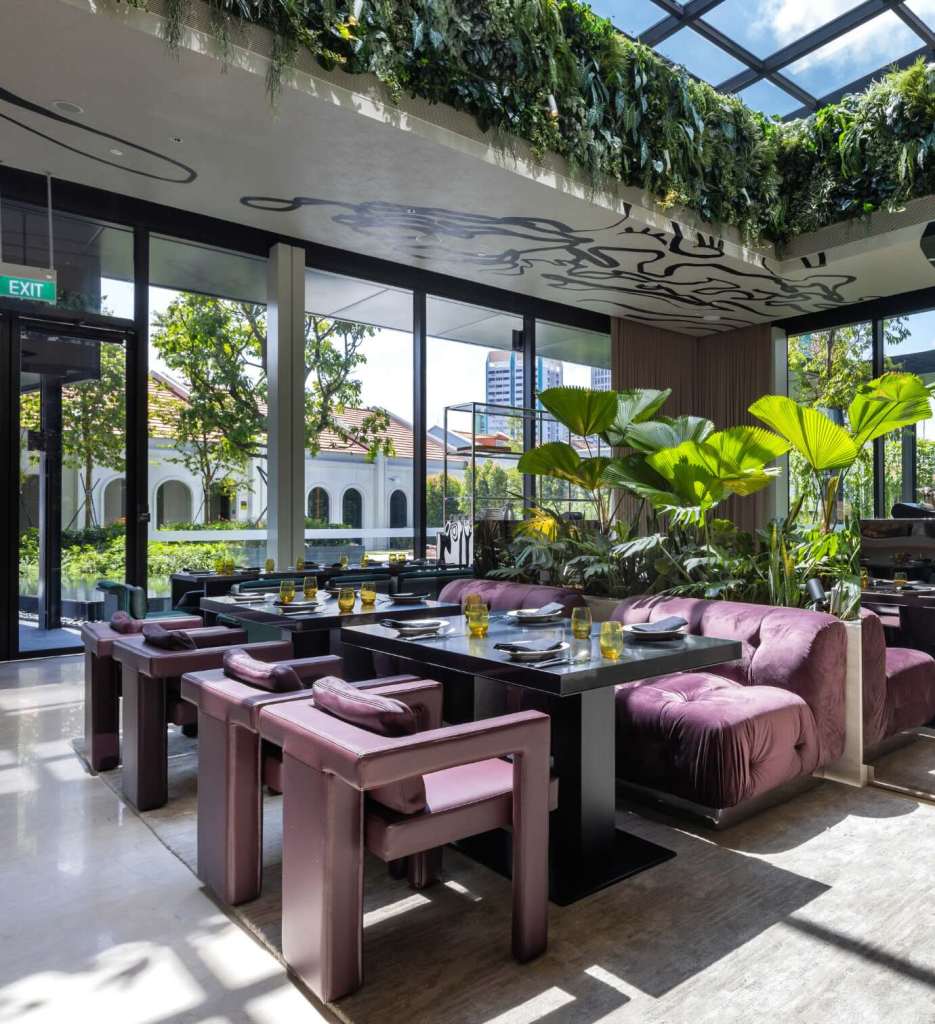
{"x": 873, "y": 43}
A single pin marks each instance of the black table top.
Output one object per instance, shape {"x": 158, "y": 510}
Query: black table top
{"x": 478, "y": 657}
{"x": 890, "y": 595}
{"x": 329, "y": 616}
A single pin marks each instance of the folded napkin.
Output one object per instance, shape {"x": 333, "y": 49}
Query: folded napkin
{"x": 522, "y": 646}
{"x": 168, "y": 639}
{"x": 666, "y": 625}
{"x": 121, "y": 622}
{"x": 553, "y": 608}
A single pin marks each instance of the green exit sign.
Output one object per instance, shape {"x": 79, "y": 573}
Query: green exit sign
{"x": 18, "y": 282}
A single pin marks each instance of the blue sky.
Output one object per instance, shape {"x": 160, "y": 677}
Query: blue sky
{"x": 765, "y": 26}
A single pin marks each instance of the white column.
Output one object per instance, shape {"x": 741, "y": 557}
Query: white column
{"x": 285, "y": 369}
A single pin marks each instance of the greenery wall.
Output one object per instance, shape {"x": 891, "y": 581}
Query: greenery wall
{"x": 557, "y": 75}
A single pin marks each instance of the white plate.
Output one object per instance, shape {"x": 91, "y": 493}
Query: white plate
{"x": 533, "y": 656}
{"x": 530, "y": 616}
{"x": 644, "y": 637}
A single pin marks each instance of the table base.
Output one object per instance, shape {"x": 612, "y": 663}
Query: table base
{"x": 629, "y": 855}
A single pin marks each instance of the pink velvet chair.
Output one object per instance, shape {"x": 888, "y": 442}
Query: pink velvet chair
{"x": 102, "y": 685}
{"x": 151, "y": 683}
{"x": 349, "y": 787}
{"x": 233, "y": 764}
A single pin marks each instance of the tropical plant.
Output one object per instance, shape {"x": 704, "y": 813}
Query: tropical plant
{"x": 557, "y": 75}
{"x": 879, "y": 407}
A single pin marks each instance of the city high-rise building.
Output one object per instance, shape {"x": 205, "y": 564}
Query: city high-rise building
{"x": 600, "y": 378}
{"x": 505, "y": 387}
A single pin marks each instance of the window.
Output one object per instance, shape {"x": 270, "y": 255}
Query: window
{"x": 319, "y": 505}
{"x": 353, "y": 509}
{"x": 825, "y": 369}
{"x": 399, "y": 513}
{"x": 207, "y": 408}
{"x": 474, "y": 379}
{"x": 569, "y": 356}
{"x": 909, "y": 454}
{"x": 93, "y": 260}
{"x": 115, "y": 499}
{"x": 358, "y": 413}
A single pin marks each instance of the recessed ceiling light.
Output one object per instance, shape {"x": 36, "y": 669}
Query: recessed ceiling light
{"x": 117, "y": 152}
{"x": 176, "y": 138}
{"x": 64, "y": 107}
{"x": 712, "y": 316}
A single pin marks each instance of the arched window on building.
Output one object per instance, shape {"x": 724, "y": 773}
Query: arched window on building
{"x": 114, "y": 500}
{"x": 173, "y": 503}
{"x": 220, "y": 504}
{"x": 399, "y": 510}
{"x": 319, "y": 505}
{"x": 353, "y": 509}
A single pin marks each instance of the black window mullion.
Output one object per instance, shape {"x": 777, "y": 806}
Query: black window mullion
{"x": 419, "y": 424}
{"x": 137, "y": 429}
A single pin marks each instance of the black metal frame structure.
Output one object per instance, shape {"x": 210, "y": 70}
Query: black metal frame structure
{"x": 677, "y": 16}
{"x": 144, "y": 219}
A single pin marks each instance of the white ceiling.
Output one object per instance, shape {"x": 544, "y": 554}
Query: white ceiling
{"x": 337, "y": 169}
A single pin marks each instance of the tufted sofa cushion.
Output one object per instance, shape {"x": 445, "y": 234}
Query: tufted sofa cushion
{"x": 910, "y": 689}
{"x": 506, "y": 596}
{"x": 710, "y": 740}
{"x": 790, "y": 649}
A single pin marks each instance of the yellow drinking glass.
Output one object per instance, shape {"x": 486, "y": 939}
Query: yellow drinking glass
{"x": 287, "y": 591}
{"x": 368, "y": 595}
{"x": 230, "y": 566}
{"x": 364, "y": 560}
{"x": 219, "y": 566}
{"x": 900, "y": 579}
{"x": 478, "y": 620}
{"x": 310, "y": 587}
{"x": 347, "y": 598}
{"x": 299, "y": 564}
{"x": 611, "y": 640}
{"x": 581, "y": 623}
{"x": 269, "y": 565}
{"x": 345, "y": 561}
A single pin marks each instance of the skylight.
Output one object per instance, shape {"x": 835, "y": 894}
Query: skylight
{"x": 783, "y": 57}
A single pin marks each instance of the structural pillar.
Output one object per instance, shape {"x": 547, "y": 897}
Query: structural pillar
{"x": 285, "y": 371}
{"x": 50, "y": 503}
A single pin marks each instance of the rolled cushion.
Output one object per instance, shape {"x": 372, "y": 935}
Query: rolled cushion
{"x": 121, "y": 622}
{"x": 505, "y": 596}
{"x": 710, "y": 740}
{"x": 383, "y": 716}
{"x": 168, "y": 639}
{"x": 264, "y": 675}
{"x": 910, "y": 690}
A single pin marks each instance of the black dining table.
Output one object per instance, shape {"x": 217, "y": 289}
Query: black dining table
{"x": 587, "y": 850}
{"x": 913, "y": 595}
{"x": 315, "y": 631}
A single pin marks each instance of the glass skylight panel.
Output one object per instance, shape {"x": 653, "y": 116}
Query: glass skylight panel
{"x": 769, "y": 99}
{"x": 757, "y": 25}
{"x": 700, "y": 57}
{"x": 859, "y": 52}
{"x": 630, "y": 16}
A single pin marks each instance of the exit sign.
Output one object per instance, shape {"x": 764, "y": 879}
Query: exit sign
{"x": 18, "y": 282}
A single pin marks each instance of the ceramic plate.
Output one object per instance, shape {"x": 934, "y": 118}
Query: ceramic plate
{"x": 530, "y": 616}
{"x": 532, "y": 656}
{"x": 648, "y": 638}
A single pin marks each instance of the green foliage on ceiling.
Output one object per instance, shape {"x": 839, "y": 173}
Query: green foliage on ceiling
{"x": 557, "y": 75}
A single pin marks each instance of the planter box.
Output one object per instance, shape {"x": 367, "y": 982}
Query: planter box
{"x": 601, "y": 607}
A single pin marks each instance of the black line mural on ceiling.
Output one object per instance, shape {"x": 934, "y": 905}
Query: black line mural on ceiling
{"x": 623, "y": 268}
{"x": 176, "y": 172}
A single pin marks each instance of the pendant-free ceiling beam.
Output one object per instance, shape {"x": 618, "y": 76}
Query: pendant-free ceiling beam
{"x": 688, "y": 14}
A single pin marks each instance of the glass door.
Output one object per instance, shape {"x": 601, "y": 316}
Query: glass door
{"x": 68, "y": 412}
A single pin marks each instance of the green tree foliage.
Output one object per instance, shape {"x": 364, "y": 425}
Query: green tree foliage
{"x": 218, "y": 347}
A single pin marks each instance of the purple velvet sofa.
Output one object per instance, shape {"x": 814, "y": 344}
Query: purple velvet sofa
{"x": 505, "y": 596}
{"x": 899, "y": 689}
{"x": 726, "y": 742}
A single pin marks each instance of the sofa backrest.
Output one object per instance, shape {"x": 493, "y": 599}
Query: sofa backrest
{"x": 505, "y": 595}
{"x": 873, "y": 650}
{"x": 790, "y": 648}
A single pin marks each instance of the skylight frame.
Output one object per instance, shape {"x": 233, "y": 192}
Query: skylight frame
{"x": 676, "y": 16}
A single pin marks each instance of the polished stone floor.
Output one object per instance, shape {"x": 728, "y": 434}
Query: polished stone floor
{"x": 817, "y": 912}
{"x": 98, "y": 920}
